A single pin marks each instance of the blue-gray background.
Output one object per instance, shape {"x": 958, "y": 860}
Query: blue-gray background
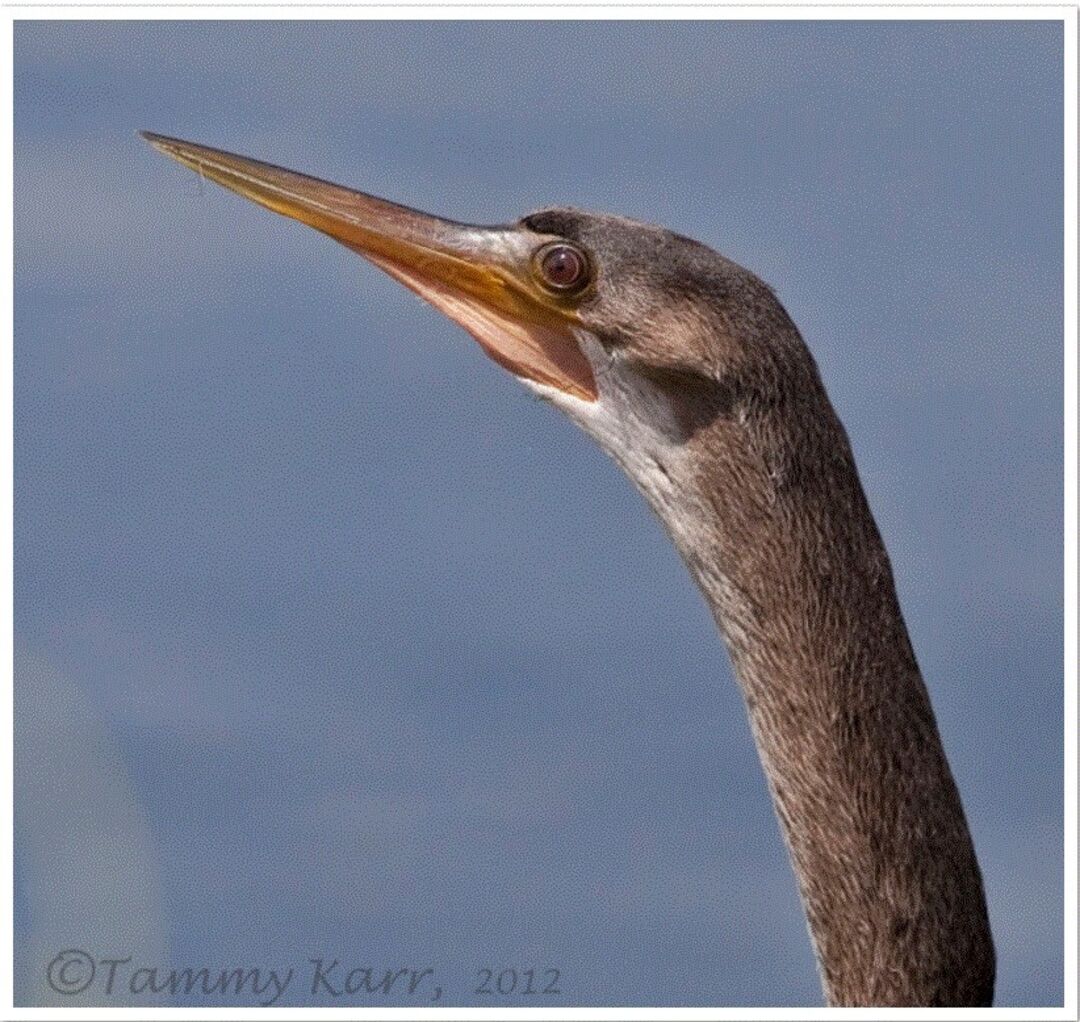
{"x": 332, "y": 642}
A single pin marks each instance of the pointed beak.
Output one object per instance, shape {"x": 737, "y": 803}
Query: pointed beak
{"x": 481, "y": 277}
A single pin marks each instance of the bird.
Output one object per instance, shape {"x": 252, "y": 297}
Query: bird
{"x": 688, "y": 371}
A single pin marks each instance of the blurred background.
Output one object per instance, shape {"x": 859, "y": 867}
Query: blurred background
{"x": 331, "y": 642}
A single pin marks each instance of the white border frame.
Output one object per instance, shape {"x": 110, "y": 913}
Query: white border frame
{"x": 559, "y": 12}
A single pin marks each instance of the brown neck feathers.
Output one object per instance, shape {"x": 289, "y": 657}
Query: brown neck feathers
{"x": 777, "y": 532}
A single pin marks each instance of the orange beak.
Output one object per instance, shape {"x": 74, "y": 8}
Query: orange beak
{"x": 481, "y": 277}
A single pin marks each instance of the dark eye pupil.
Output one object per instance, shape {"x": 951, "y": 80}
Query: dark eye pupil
{"x": 563, "y": 266}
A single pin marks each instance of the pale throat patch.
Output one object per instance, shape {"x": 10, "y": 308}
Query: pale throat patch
{"x": 633, "y": 421}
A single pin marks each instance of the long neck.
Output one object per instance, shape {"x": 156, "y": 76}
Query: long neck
{"x": 766, "y": 508}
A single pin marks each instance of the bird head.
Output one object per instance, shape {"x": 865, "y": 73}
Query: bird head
{"x": 639, "y": 334}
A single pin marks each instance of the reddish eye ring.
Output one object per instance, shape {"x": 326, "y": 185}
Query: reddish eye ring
{"x": 562, "y": 267}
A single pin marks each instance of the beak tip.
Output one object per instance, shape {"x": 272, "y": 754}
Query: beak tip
{"x": 162, "y": 143}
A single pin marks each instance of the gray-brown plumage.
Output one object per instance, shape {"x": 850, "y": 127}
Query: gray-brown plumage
{"x": 774, "y": 526}
{"x": 688, "y": 371}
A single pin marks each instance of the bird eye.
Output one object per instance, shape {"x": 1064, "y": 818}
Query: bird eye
{"x": 563, "y": 267}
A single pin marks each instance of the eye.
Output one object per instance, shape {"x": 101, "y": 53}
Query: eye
{"x": 562, "y": 267}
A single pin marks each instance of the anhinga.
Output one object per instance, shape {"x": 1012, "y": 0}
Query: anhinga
{"x": 688, "y": 371}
